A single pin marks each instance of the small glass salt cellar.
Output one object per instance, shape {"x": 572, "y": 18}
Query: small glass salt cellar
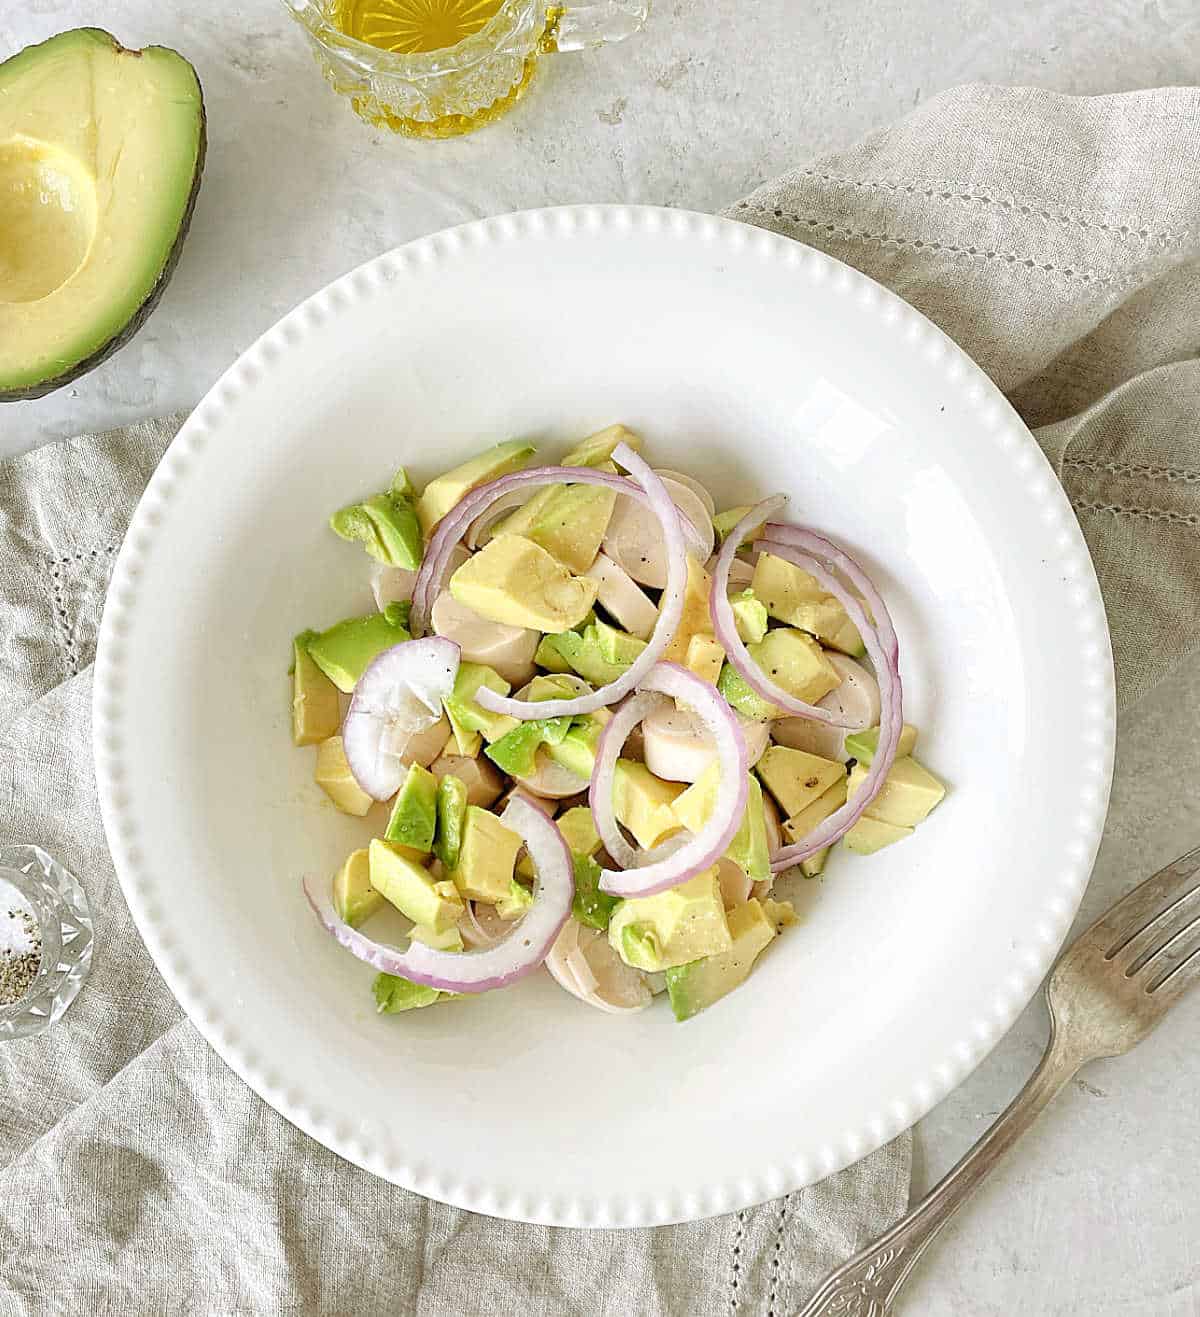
{"x": 45, "y": 940}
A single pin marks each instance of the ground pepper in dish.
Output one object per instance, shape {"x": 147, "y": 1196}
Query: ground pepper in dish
{"x": 20, "y": 952}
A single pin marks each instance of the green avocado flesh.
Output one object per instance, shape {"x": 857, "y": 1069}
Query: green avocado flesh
{"x": 101, "y": 152}
{"x": 592, "y": 905}
{"x": 413, "y": 820}
{"x": 451, "y": 819}
{"x": 394, "y": 994}
{"x": 345, "y": 650}
{"x": 387, "y": 526}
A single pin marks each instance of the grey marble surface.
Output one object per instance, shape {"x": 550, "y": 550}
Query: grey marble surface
{"x": 1096, "y": 1212}
{"x": 714, "y": 97}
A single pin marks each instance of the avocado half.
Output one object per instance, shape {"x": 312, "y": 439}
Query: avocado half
{"x": 101, "y": 153}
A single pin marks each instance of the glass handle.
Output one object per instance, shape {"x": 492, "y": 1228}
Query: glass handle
{"x": 584, "y": 27}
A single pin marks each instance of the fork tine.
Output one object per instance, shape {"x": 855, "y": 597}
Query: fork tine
{"x": 1134, "y": 912}
{"x": 1168, "y": 987}
{"x": 1167, "y": 949}
{"x": 1152, "y": 940}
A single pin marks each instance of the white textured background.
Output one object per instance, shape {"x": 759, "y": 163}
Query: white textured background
{"x": 1097, "y": 1213}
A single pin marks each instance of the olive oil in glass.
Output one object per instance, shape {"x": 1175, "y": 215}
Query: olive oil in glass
{"x": 410, "y": 27}
{"x": 438, "y": 68}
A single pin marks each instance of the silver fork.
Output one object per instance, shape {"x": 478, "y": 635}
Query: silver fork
{"x": 1105, "y": 995}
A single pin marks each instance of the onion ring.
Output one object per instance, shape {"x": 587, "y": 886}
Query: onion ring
{"x": 509, "y": 959}
{"x": 795, "y": 545}
{"x": 672, "y": 862}
{"x": 401, "y": 689}
{"x": 725, "y": 625}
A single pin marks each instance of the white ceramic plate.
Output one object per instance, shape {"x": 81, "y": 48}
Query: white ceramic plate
{"x": 756, "y": 364}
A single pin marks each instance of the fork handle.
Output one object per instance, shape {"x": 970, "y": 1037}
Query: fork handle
{"x": 867, "y": 1284}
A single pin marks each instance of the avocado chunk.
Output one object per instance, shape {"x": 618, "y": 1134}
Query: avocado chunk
{"x": 547, "y": 656}
{"x": 699, "y": 983}
{"x": 344, "y": 651}
{"x": 579, "y": 830}
{"x": 793, "y": 596}
{"x": 413, "y": 821}
{"x": 748, "y": 849}
{"x": 514, "y": 905}
{"x": 515, "y": 581}
{"x": 597, "y": 448}
{"x": 412, "y": 889}
{"x": 670, "y": 928}
{"x": 443, "y": 493}
{"x": 742, "y": 697}
{"x": 869, "y": 835}
{"x": 386, "y": 524}
{"x": 908, "y": 795}
{"x": 750, "y": 616}
{"x": 577, "y": 750}
{"x": 449, "y": 939}
{"x": 780, "y": 914}
{"x": 469, "y": 749}
{"x": 814, "y": 865}
{"x": 861, "y": 746}
{"x": 796, "y": 778}
{"x": 101, "y": 153}
{"x": 316, "y": 712}
{"x": 615, "y": 646}
{"x": 591, "y": 905}
{"x": 467, "y": 716}
{"x": 800, "y": 825}
{"x": 353, "y": 896}
{"x": 451, "y": 816}
{"x": 394, "y": 994}
{"x": 599, "y": 653}
{"x": 642, "y": 802}
{"x": 796, "y": 663}
{"x": 517, "y": 749}
{"x": 486, "y": 857}
{"x": 571, "y": 651}
{"x": 695, "y": 618}
{"x": 551, "y": 686}
{"x": 705, "y": 657}
{"x": 568, "y": 521}
{"x": 332, "y": 774}
{"x": 827, "y": 620}
{"x": 724, "y": 522}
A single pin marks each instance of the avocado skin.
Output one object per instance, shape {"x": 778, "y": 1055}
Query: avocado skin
{"x": 122, "y": 336}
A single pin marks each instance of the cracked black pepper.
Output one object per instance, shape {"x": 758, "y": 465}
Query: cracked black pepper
{"x": 21, "y": 958}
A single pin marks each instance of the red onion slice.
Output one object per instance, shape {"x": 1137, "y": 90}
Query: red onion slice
{"x": 401, "y": 691}
{"x": 795, "y": 545}
{"x": 670, "y": 612}
{"x": 474, "y": 504}
{"x": 478, "y": 533}
{"x": 509, "y": 959}
{"x": 674, "y": 861}
{"x": 652, "y": 492}
{"x": 485, "y": 932}
{"x": 608, "y": 751}
{"x": 725, "y": 626}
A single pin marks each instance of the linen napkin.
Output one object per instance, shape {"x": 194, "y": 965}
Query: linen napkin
{"x": 1054, "y": 238}
{"x": 137, "y": 1173}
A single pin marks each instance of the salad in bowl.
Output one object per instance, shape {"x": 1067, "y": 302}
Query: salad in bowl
{"x": 593, "y": 724}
